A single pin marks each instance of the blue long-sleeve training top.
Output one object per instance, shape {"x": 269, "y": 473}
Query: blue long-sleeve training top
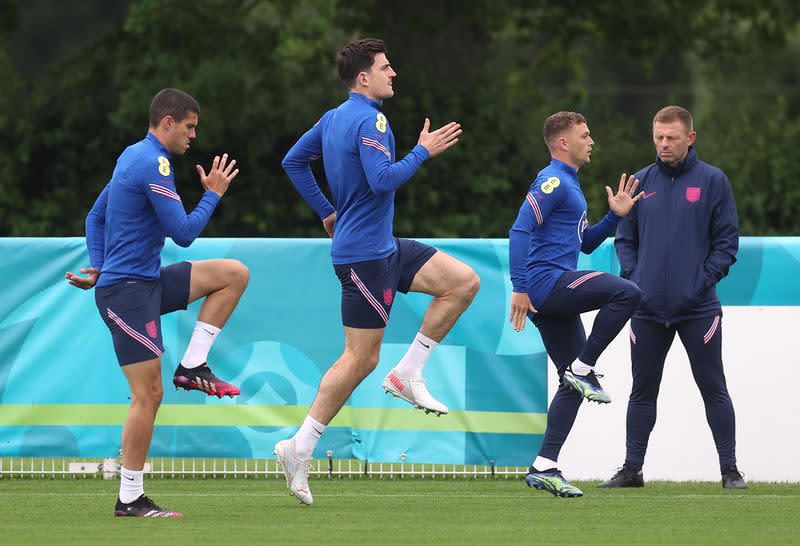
{"x": 136, "y": 211}
{"x": 680, "y": 240}
{"x": 357, "y": 149}
{"x": 550, "y": 230}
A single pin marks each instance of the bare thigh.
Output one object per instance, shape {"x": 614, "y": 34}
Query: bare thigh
{"x": 441, "y": 274}
{"x": 209, "y": 276}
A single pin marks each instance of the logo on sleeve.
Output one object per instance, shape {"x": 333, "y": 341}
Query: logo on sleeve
{"x": 550, "y": 184}
{"x": 380, "y": 125}
{"x": 163, "y": 166}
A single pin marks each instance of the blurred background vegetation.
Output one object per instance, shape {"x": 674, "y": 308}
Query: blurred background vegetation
{"x": 76, "y": 79}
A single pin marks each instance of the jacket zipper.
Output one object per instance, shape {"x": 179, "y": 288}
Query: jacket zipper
{"x": 670, "y": 233}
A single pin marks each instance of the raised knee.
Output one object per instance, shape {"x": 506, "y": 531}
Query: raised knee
{"x": 240, "y": 274}
{"x": 468, "y": 286}
{"x": 632, "y": 293}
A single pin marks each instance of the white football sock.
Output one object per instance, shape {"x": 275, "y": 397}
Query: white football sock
{"x": 541, "y": 464}
{"x": 131, "y": 485}
{"x": 410, "y": 366}
{"x": 581, "y": 368}
{"x": 307, "y": 437}
{"x": 200, "y": 344}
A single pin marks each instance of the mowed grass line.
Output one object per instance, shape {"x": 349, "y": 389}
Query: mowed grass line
{"x": 395, "y": 511}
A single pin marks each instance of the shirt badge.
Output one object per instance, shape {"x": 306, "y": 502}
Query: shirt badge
{"x": 550, "y": 184}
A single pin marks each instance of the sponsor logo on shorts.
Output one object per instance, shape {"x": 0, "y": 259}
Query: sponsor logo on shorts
{"x": 388, "y": 295}
{"x": 151, "y": 329}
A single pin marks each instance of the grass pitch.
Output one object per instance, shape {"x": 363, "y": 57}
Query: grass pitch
{"x": 398, "y": 511}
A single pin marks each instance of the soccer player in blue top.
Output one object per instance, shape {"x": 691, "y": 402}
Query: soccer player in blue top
{"x": 125, "y": 232}
{"x": 544, "y": 242}
{"x": 677, "y": 244}
{"x": 356, "y": 144}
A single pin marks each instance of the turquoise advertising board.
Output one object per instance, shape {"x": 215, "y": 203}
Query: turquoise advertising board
{"x": 63, "y": 395}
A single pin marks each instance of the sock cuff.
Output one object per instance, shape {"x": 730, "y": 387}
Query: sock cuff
{"x": 425, "y": 340}
{"x": 210, "y": 328}
{"x": 134, "y": 473}
{"x": 314, "y": 423}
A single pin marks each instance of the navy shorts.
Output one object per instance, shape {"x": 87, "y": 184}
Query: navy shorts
{"x": 132, "y": 310}
{"x": 368, "y": 288}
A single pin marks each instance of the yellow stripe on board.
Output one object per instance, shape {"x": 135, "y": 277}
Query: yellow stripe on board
{"x": 493, "y": 422}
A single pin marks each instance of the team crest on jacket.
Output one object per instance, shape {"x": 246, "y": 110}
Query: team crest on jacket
{"x": 693, "y": 194}
{"x": 151, "y": 329}
{"x": 387, "y": 296}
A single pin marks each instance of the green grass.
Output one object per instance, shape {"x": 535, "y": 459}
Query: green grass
{"x": 395, "y": 511}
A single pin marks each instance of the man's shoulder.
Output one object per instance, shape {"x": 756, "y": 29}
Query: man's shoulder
{"x": 149, "y": 163}
{"x": 351, "y": 113}
{"x": 647, "y": 171}
{"x": 549, "y": 181}
{"x": 710, "y": 171}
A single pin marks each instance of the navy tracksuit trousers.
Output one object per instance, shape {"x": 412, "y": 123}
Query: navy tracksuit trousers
{"x": 562, "y": 332}
{"x": 650, "y": 342}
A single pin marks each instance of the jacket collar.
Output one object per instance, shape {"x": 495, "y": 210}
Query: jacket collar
{"x": 365, "y": 99}
{"x": 570, "y": 170}
{"x": 684, "y": 166}
{"x": 153, "y": 139}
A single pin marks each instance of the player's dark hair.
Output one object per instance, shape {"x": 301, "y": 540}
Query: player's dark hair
{"x": 668, "y": 114}
{"x": 357, "y": 57}
{"x": 174, "y": 103}
{"x": 558, "y": 123}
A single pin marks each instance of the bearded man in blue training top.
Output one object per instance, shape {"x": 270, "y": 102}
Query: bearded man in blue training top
{"x": 358, "y": 150}
{"x": 544, "y": 243}
{"x": 125, "y": 232}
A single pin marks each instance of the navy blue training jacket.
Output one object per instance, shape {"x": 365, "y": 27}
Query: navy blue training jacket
{"x": 680, "y": 240}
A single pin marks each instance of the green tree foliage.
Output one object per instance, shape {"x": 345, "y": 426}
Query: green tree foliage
{"x": 263, "y": 71}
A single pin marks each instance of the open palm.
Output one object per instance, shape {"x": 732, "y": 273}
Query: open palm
{"x": 621, "y": 203}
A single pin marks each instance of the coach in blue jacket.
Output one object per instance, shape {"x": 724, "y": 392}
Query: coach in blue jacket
{"x": 677, "y": 243}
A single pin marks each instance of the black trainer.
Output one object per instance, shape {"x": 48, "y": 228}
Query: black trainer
{"x": 143, "y": 507}
{"x": 625, "y": 477}
{"x": 732, "y": 478}
{"x": 203, "y": 379}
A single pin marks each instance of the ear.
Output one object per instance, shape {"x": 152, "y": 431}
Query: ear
{"x": 363, "y": 79}
{"x": 692, "y": 137}
{"x": 167, "y": 122}
{"x": 562, "y": 143}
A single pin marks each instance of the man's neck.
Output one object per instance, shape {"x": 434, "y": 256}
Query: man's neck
{"x": 159, "y": 135}
{"x": 365, "y": 92}
{"x": 564, "y": 158}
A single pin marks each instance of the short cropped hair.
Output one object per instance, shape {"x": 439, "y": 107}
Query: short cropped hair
{"x": 668, "y": 114}
{"x": 357, "y": 57}
{"x": 174, "y": 103}
{"x": 558, "y": 123}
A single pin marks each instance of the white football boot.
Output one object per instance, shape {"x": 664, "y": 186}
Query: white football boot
{"x": 414, "y": 392}
{"x": 295, "y": 470}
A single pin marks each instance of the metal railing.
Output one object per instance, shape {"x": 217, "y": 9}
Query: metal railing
{"x": 245, "y": 468}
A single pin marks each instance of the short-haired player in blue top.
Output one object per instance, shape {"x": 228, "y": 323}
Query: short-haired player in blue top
{"x": 358, "y": 151}
{"x": 125, "y": 233}
{"x": 544, "y": 243}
